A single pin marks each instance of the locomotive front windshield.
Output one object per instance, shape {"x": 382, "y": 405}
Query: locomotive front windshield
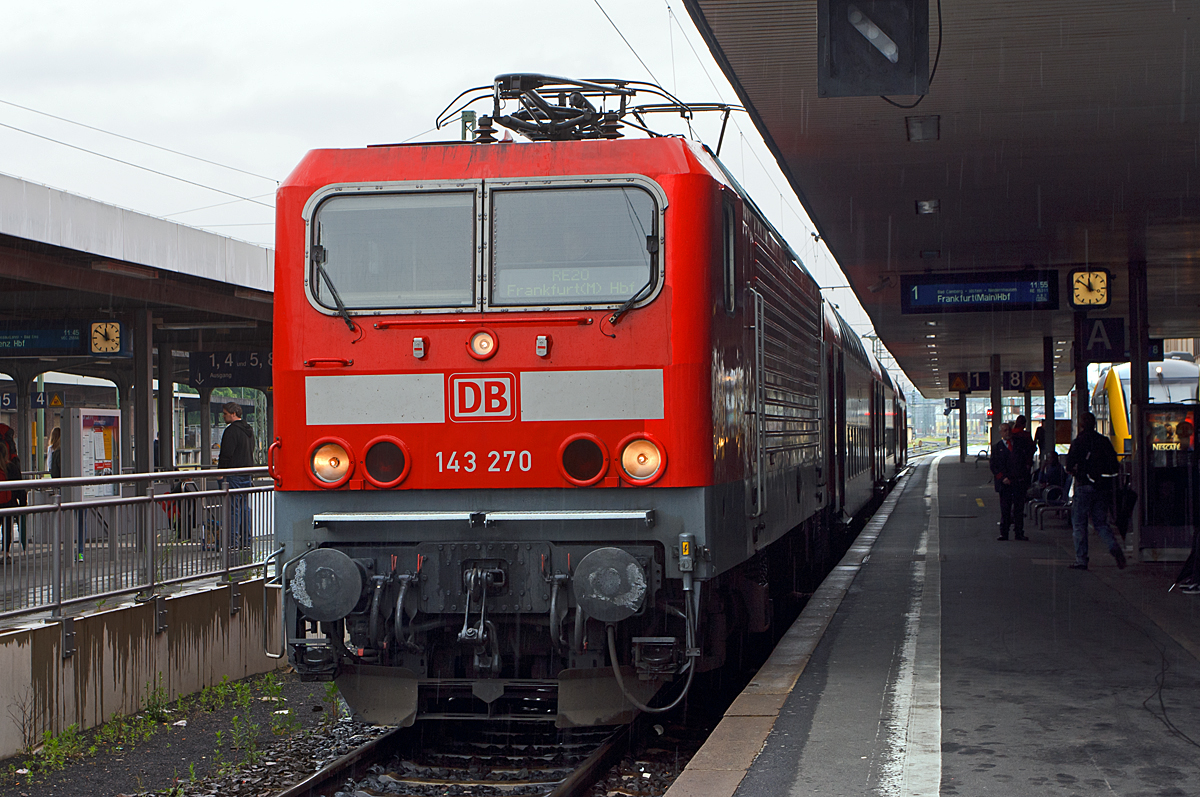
{"x": 571, "y": 245}
{"x": 407, "y": 250}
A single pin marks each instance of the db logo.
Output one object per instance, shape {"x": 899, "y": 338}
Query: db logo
{"x": 483, "y": 397}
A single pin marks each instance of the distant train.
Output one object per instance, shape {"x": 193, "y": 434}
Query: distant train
{"x": 556, "y": 420}
{"x": 1171, "y": 381}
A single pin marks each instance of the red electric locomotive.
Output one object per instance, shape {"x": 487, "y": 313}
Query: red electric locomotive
{"x": 542, "y": 408}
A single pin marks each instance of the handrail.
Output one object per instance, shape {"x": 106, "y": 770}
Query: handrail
{"x": 268, "y": 585}
{"x": 157, "y": 476}
{"x": 88, "y": 550}
{"x": 119, "y": 500}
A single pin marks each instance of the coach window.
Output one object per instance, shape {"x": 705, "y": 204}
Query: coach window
{"x": 728, "y": 224}
{"x": 385, "y": 251}
{"x": 564, "y": 246}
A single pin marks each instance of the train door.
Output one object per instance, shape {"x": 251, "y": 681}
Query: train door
{"x": 879, "y": 448}
{"x": 830, "y": 428}
{"x": 839, "y": 379}
{"x": 755, "y": 495}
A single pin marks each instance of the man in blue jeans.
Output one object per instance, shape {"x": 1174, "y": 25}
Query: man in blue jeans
{"x": 237, "y": 451}
{"x": 1093, "y": 462}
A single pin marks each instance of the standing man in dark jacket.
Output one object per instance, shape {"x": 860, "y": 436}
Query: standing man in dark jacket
{"x": 1012, "y": 477}
{"x": 1092, "y": 460}
{"x": 237, "y": 451}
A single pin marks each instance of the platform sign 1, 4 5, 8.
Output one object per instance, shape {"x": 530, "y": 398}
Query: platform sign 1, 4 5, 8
{"x": 229, "y": 369}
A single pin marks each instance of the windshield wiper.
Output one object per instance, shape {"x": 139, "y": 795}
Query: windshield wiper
{"x": 615, "y": 317}
{"x": 318, "y": 258}
{"x": 652, "y": 248}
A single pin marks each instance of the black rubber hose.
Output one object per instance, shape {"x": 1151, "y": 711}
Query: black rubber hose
{"x": 616, "y": 667}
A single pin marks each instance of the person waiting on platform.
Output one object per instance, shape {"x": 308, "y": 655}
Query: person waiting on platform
{"x": 1050, "y": 474}
{"x": 237, "y": 451}
{"x": 1092, "y": 460}
{"x": 1041, "y": 439}
{"x": 1011, "y": 472}
{"x": 10, "y": 471}
{"x": 54, "y": 453}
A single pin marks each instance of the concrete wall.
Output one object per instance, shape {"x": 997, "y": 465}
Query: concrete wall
{"x": 118, "y": 655}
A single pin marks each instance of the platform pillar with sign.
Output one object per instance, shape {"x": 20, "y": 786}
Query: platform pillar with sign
{"x": 997, "y": 400}
{"x": 962, "y": 426}
{"x": 38, "y": 459}
{"x": 1048, "y": 384}
{"x": 143, "y": 391}
{"x": 124, "y": 382}
{"x": 1139, "y": 388}
{"x": 206, "y": 427}
{"x": 165, "y": 454}
{"x": 212, "y": 369}
{"x": 1081, "y": 362}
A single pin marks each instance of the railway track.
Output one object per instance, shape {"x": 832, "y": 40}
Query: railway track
{"x": 462, "y": 759}
{"x": 530, "y": 760}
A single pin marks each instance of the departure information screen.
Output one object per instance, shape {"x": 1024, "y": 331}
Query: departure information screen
{"x": 31, "y": 341}
{"x": 979, "y": 291}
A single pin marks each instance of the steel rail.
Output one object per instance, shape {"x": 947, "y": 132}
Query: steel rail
{"x": 325, "y": 781}
{"x": 581, "y": 780}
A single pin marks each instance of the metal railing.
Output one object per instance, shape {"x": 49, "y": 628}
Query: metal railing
{"x": 95, "y": 540}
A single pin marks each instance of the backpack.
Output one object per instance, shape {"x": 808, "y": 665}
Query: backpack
{"x": 1101, "y": 461}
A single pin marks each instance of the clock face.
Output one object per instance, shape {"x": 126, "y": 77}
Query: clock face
{"x": 106, "y": 337}
{"x": 1089, "y": 288}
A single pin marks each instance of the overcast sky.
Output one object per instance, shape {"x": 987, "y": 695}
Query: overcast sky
{"x": 255, "y": 84}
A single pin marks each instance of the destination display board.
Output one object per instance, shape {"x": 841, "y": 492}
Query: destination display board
{"x": 974, "y": 292}
{"x": 27, "y": 340}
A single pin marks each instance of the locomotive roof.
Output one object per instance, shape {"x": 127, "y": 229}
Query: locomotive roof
{"x": 667, "y": 155}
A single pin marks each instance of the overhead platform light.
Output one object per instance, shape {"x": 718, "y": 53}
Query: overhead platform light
{"x": 923, "y": 128}
{"x": 253, "y": 295}
{"x": 207, "y": 325}
{"x": 125, "y": 269}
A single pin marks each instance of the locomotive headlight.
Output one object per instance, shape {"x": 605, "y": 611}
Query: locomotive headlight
{"x": 583, "y": 459}
{"x": 387, "y": 461}
{"x": 642, "y": 460}
{"x": 482, "y": 344}
{"x": 330, "y": 463}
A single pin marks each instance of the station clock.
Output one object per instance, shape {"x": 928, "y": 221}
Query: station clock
{"x": 105, "y": 337}
{"x": 1090, "y": 288}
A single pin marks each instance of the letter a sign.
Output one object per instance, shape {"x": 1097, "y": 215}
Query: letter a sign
{"x": 1104, "y": 340}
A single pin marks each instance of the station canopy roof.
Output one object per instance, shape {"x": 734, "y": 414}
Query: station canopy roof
{"x": 72, "y": 261}
{"x": 1053, "y": 136}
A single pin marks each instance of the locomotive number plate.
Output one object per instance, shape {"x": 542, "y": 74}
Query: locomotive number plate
{"x": 495, "y": 461}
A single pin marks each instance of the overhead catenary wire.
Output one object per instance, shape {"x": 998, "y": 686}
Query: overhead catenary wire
{"x": 741, "y": 133}
{"x": 137, "y": 141}
{"x": 218, "y": 205}
{"x": 627, "y": 44}
{"x": 720, "y": 94}
{"x": 134, "y": 165}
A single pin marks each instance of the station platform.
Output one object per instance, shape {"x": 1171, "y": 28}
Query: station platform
{"x": 936, "y": 659}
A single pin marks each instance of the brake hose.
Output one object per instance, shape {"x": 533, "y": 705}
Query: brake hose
{"x": 616, "y": 668}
